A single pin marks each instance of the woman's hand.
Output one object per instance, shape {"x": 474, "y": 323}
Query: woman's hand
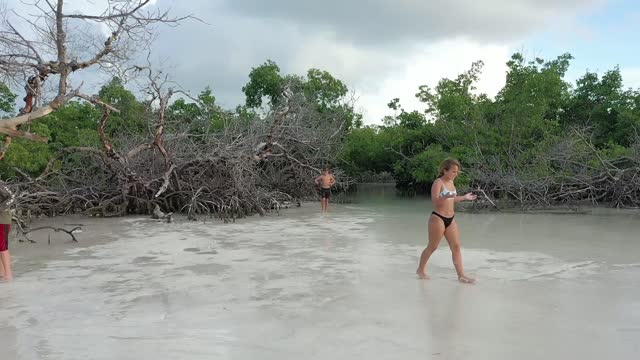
{"x": 470, "y": 196}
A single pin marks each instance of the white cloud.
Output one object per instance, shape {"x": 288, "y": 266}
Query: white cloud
{"x": 381, "y": 49}
{"x": 631, "y": 77}
{"x": 426, "y": 67}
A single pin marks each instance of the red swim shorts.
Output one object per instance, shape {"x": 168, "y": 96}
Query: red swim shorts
{"x": 4, "y": 236}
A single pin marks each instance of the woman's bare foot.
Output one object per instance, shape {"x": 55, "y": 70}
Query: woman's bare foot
{"x": 423, "y": 275}
{"x": 466, "y": 280}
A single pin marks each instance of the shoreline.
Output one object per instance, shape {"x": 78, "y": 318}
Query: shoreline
{"x": 50, "y": 244}
{"x": 98, "y": 230}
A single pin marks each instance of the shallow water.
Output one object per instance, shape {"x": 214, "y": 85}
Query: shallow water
{"x": 304, "y": 285}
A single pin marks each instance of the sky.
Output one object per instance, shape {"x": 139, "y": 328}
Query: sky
{"x": 383, "y": 49}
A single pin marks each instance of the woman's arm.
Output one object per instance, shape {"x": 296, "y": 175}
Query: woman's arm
{"x": 465, "y": 197}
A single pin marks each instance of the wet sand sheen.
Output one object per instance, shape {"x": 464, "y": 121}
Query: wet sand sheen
{"x": 304, "y": 285}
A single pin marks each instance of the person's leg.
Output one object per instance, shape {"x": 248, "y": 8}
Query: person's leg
{"x": 5, "y": 257}
{"x": 453, "y": 238}
{"x": 1, "y": 269}
{"x": 325, "y": 200}
{"x": 436, "y": 230}
{"x": 6, "y": 264}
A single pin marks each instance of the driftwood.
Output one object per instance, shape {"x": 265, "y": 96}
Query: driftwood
{"x": 158, "y": 214}
{"x": 577, "y": 173}
{"x": 248, "y": 166}
{"x": 263, "y": 165}
{"x": 56, "y": 229}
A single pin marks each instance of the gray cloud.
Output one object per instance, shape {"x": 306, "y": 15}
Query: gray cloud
{"x": 222, "y": 53}
{"x": 359, "y": 41}
{"x": 383, "y": 21}
{"x": 355, "y": 40}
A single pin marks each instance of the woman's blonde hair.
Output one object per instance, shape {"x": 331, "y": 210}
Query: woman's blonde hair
{"x": 447, "y": 164}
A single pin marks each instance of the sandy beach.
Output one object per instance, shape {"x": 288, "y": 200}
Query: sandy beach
{"x": 336, "y": 286}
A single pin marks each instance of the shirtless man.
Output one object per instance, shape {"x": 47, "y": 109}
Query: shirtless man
{"x": 325, "y": 181}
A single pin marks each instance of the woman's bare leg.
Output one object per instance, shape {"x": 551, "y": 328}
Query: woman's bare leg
{"x": 436, "y": 230}
{"x": 453, "y": 238}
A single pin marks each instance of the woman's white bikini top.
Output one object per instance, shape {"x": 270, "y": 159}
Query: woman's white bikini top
{"x": 446, "y": 191}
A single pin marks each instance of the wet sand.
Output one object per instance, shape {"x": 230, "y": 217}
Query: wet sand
{"x": 307, "y": 286}
{"x": 50, "y": 244}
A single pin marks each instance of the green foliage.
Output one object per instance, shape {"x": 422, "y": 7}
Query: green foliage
{"x": 413, "y": 120}
{"x": 319, "y": 87}
{"x": 534, "y": 116}
{"x": 529, "y": 120}
{"x": 264, "y": 81}
{"x": 29, "y": 156}
{"x": 244, "y": 115}
{"x": 131, "y": 118}
{"x": 366, "y": 149}
{"x": 7, "y": 99}
{"x": 452, "y": 100}
{"x": 201, "y": 117}
{"x": 322, "y": 88}
{"x": 424, "y": 166}
{"x": 603, "y": 105}
{"x": 74, "y": 124}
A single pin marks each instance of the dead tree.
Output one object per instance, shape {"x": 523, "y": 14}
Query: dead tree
{"x": 242, "y": 168}
{"x": 245, "y": 167}
{"x": 573, "y": 171}
{"x": 52, "y": 50}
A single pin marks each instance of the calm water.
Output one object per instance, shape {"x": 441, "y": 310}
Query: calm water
{"x": 307, "y": 286}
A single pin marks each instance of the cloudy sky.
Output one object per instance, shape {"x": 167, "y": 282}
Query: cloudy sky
{"x": 386, "y": 48}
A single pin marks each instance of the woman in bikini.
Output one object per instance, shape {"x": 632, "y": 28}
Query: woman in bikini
{"x": 441, "y": 222}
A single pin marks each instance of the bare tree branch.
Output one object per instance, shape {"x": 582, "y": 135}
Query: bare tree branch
{"x": 21, "y": 57}
{"x": 22, "y": 134}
